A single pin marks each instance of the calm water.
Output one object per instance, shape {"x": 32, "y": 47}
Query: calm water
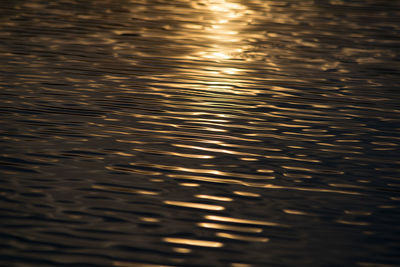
{"x": 200, "y": 133}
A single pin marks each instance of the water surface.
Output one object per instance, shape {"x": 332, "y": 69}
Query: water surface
{"x": 199, "y": 133}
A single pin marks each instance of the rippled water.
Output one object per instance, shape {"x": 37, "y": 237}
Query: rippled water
{"x": 200, "y": 133}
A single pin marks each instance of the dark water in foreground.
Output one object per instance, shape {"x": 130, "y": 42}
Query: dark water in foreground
{"x": 200, "y": 133}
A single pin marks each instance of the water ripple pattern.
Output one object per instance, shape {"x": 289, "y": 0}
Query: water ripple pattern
{"x": 200, "y": 133}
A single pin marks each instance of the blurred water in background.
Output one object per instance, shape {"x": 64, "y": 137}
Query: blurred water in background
{"x": 199, "y": 133}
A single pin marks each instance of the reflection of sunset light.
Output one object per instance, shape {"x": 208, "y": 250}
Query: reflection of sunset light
{"x": 225, "y": 10}
{"x": 230, "y": 70}
{"x": 224, "y": 32}
{"x": 194, "y": 205}
{"x": 193, "y": 242}
{"x": 221, "y": 54}
{"x": 224, "y": 6}
{"x": 217, "y": 55}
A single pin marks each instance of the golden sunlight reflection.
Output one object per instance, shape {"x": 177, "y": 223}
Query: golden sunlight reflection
{"x": 296, "y": 212}
{"x": 193, "y": 242}
{"x": 223, "y": 33}
{"x": 241, "y": 221}
{"x": 220, "y": 50}
{"x": 246, "y": 194}
{"x": 182, "y": 250}
{"x": 194, "y": 205}
{"x": 150, "y": 220}
{"x": 189, "y": 184}
{"x": 242, "y": 237}
{"x": 214, "y": 198}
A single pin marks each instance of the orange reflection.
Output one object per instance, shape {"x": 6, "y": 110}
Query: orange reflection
{"x": 194, "y": 205}
{"x": 296, "y": 212}
{"x": 182, "y": 250}
{"x": 241, "y": 221}
{"x": 218, "y": 51}
{"x": 148, "y": 219}
{"x": 214, "y": 197}
{"x": 243, "y": 238}
{"x": 228, "y": 19}
{"x": 246, "y": 194}
{"x": 193, "y": 242}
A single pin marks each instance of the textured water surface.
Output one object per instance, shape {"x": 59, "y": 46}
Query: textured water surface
{"x": 199, "y": 133}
